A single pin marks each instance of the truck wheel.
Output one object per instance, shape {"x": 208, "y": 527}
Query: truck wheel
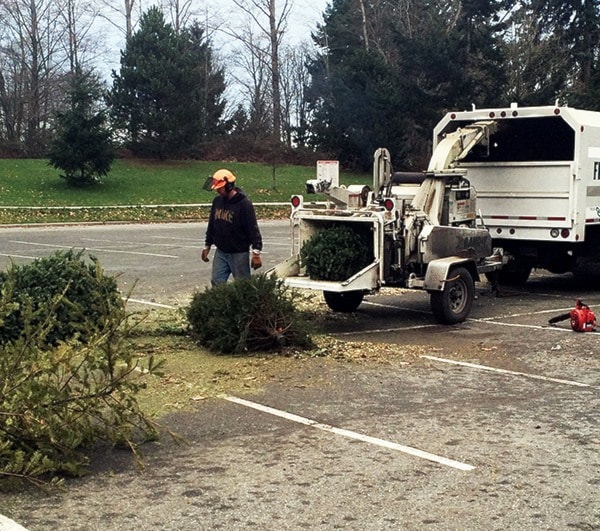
{"x": 453, "y": 304}
{"x": 344, "y": 301}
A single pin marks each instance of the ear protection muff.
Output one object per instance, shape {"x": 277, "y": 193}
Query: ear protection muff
{"x": 229, "y": 185}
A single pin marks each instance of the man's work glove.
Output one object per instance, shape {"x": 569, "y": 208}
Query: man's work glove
{"x": 256, "y": 261}
{"x": 205, "y": 252}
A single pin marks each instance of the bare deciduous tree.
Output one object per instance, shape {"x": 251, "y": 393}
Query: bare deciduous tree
{"x": 272, "y": 23}
{"x": 40, "y": 42}
{"x": 78, "y": 17}
{"x": 181, "y": 12}
{"x": 31, "y": 60}
{"x": 253, "y": 80}
{"x": 129, "y": 10}
{"x": 294, "y": 82}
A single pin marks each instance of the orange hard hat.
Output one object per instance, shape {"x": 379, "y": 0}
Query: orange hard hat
{"x": 221, "y": 177}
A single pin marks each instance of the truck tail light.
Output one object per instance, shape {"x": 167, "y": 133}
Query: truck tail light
{"x": 565, "y": 233}
{"x": 389, "y": 204}
{"x": 297, "y": 201}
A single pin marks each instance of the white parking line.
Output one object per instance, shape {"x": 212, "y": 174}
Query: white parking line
{"x": 178, "y": 238}
{"x": 6, "y": 524}
{"x": 148, "y": 303}
{"x": 269, "y": 243}
{"x": 266, "y": 242}
{"x": 524, "y": 314}
{"x": 512, "y": 373}
{"x": 385, "y": 330}
{"x": 19, "y": 256}
{"x": 93, "y": 249}
{"x": 391, "y": 306}
{"x": 517, "y": 325}
{"x": 487, "y": 320}
{"x": 129, "y": 242}
{"x": 351, "y": 434}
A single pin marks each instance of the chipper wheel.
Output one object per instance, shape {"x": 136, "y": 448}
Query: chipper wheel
{"x": 453, "y": 304}
{"x": 344, "y": 301}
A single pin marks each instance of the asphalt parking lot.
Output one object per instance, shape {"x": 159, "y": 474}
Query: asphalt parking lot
{"x": 490, "y": 424}
{"x": 155, "y": 263}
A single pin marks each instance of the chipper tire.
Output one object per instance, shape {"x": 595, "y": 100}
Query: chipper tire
{"x": 453, "y": 304}
{"x": 344, "y": 301}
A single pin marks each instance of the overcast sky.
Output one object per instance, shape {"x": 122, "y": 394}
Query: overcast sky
{"x": 303, "y": 20}
{"x": 304, "y": 16}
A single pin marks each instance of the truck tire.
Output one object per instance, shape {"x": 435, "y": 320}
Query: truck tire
{"x": 453, "y": 304}
{"x": 344, "y": 301}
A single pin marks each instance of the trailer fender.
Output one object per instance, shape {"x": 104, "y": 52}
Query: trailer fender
{"x": 440, "y": 270}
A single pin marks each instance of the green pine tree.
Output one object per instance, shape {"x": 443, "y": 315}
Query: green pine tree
{"x": 82, "y": 147}
{"x": 385, "y": 75}
{"x": 167, "y": 96}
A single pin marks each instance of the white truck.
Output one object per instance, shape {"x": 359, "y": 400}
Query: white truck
{"x": 422, "y": 229}
{"x": 537, "y": 183}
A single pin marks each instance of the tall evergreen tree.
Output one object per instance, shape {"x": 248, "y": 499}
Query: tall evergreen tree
{"x": 553, "y": 48}
{"x": 167, "y": 95}
{"x": 476, "y": 51}
{"x": 389, "y": 70}
{"x": 355, "y": 92}
{"x": 82, "y": 147}
{"x": 537, "y": 60}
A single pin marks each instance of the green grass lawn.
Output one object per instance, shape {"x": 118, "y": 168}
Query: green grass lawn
{"x": 33, "y": 183}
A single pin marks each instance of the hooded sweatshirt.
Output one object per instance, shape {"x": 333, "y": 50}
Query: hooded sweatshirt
{"x": 232, "y": 225}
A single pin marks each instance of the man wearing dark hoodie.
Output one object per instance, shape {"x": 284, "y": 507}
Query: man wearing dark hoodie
{"x": 233, "y": 229}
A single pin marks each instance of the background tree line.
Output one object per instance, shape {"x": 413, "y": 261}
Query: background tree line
{"x": 374, "y": 73}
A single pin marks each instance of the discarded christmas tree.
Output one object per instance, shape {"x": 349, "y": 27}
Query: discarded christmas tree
{"x": 336, "y": 253}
